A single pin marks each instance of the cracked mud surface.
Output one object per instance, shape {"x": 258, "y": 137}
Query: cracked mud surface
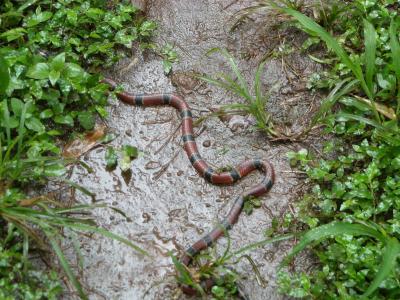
{"x": 168, "y": 205}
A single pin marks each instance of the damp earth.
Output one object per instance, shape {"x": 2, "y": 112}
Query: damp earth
{"x": 166, "y": 205}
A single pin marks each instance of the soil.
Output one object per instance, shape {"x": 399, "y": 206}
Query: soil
{"x": 167, "y": 205}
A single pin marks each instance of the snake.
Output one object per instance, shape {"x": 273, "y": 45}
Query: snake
{"x": 205, "y": 171}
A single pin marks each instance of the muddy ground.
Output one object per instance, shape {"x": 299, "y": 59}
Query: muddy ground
{"x": 168, "y": 205}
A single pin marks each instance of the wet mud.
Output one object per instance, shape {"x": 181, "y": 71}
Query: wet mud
{"x": 167, "y": 205}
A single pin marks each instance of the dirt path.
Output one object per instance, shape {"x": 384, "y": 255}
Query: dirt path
{"x": 168, "y": 204}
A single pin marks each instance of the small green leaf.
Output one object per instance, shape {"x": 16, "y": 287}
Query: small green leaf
{"x": 13, "y": 34}
{"x": 47, "y": 113}
{"x": 54, "y": 76}
{"x": 167, "y": 66}
{"x": 38, "y": 18}
{"x": 248, "y": 207}
{"x": 35, "y": 125}
{"x": 72, "y": 16}
{"x": 95, "y": 13}
{"x": 218, "y": 291}
{"x": 111, "y": 158}
{"x": 39, "y": 71}
{"x": 87, "y": 120}
{"x": 58, "y": 62}
{"x": 147, "y": 28}
{"x": 74, "y": 72}
{"x": 108, "y": 138}
{"x": 16, "y": 106}
{"x": 65, "y": 120}
{"x": 128, "y": 153}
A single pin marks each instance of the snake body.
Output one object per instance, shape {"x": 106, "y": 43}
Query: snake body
{"x": 204, "y": 170}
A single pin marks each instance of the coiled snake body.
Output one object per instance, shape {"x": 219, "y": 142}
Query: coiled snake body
{"x": 204, "y": 170}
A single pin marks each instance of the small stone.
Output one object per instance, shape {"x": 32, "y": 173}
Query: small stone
{"x": 128, "y": 132}
{"x": 146, "y": 217}
{"x": 286, "y": 90}
{"x": 207, "y": 143}
{"x": 179, "y": 173}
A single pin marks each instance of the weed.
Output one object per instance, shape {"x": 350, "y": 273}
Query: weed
{"x": 127, "y": 154}
{"x": 169, "y": 56}
{"x": 255, "y": 103}
{"x": 210, "y": 265}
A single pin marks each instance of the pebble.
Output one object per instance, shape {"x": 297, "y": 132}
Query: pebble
{"x": 207, "y": 143}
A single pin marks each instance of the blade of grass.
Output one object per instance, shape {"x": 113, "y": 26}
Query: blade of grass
{"x": 21, "y": 132}
{"x": 260, "y": 244}
{"x": 260, "y": 279}
{"x": 41, "y": 217}
{"x": 337, "y": 93}
{"x": 382, "y": 130}
{"x": 24, "y": 228}
{"x": 332, "y": 229}
{"x": 184, "y": 276}
{"x": 395, "y": 52}
{"x": 6, "y": 116}
{"x": 108, "y": 234}
{"x": 4, "y": 76}
{"x": 389, "y": 258}
{"x": 80, "y": 188}
{"x": 25, "y": 251}
{"x": 234, "y": 68}
{"x": 257, "y": 80}
{"x": 316, "y": 29}
{"x": 218, "y": 83}
{"x": 370, "y": 54}
{"x": 64, "y": 263}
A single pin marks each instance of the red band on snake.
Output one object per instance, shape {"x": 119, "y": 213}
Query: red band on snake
{"x": 205, "y": 171}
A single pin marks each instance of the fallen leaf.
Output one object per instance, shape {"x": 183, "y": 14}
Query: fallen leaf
{"x": 384, "y": 110}
{"x": 76, "y": 148}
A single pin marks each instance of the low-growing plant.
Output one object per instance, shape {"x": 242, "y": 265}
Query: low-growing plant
{"x": 210, "y": 265}
{"x": 48, "y": 50}
{"x": 255, "y": 100}
{"x": 19, "y": 279}
{"x": 48, "y": 216}
{"x": 352, "y": 208}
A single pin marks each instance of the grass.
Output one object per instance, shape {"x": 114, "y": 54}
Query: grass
{"x": 255, "y": 99}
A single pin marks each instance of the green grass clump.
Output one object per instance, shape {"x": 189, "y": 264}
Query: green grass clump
{"x": 255, "y": 100}
{"x": 50, "y": 89}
